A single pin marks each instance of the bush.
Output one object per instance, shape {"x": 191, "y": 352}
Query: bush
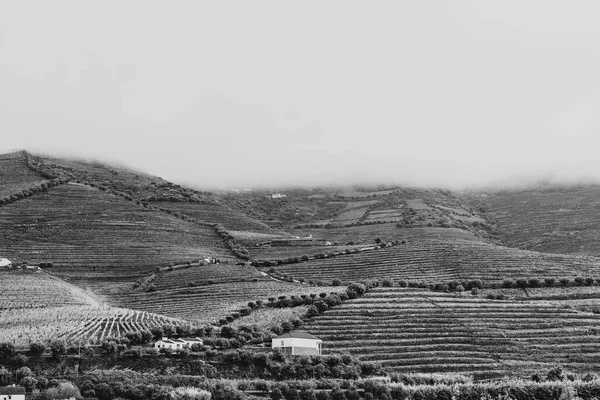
{"x": 564, "y": 281}
{"x": 336, "y": 282}
{"x": 403, "y": 284}
{"x": 507, "y": 283}
{"x": 549, "y": 281}
{"x": 460, "y": 288}
{"x": 37, "y": 349}
{"x": 474, "y": 291}
{"x": 534, "y": 283}
{"x": 589, "y": 281}
{"x": 579, "y": 281}
{"x": 522, "y": 283}
{"x": 387, "y": 283}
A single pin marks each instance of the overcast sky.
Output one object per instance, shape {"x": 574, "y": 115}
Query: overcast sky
{"x": 271, "y": 93}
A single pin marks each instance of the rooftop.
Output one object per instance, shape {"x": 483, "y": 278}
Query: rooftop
{"x": 12, "y": 390}
{"x": 297, "y": 334}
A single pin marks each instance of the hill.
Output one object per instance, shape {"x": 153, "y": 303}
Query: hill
{"x": 16, "y": 176}
{"x": 78, "y": 226}
{"x": 37, "y": 307}
{"x": 441, "y": 261}
{"x": 552, "y": 219}
{"x": 414, "y": 330}
{"x": 339, "y": 208}
{"x": 134, "y": 185}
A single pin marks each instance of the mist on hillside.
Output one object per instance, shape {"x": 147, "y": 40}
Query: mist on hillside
{"x": 454, "y": 95}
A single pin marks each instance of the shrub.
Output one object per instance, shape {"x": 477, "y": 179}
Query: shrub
{"x": 336, "y": 282}
{"x": 474, "y": 291}
{"x": 549, "y": 281}
{"x": 522, "y": 283}
{"x": 37, "y": 349}
{"x": 579, "y": 281}
{"x": 534, "y": 283}
{"x": 460, "y": 288}
{"x": 589, "y": 281}
{"x": 387, "y": 283}
{"x": 403, "y": 284}
{"x": 564, "y": 281}
{"x": 507, "y": 283}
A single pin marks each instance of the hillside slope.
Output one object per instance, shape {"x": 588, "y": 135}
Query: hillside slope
{"x": 558, "y": 219}
{"x": 340, "y": 208}
{"x": 16, "y": 176}
{"x": 200, "y": 205}
{"x": 78, "y": 226}
{"x": 441, "y": 261}
{"x": 414, "y": 330}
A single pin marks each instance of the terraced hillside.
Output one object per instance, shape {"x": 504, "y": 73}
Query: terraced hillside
{"x": 207, "y": 303}
{"x": 433, "y": 261}
{"x": 412, "y": 330}
{"x": 37, "y": 307}
{"x": 553, "y": 220}
{"x": 343, "y": 207}
{"x": 366, "y": 234}
{"x": 15, "y": 176}
{"x": 79, "y": 226}
{"x": 217, "y": 213}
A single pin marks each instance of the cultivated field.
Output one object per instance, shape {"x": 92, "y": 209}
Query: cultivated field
{"x": 37, "y": 307}
{"x": 216, "y": 213}
{"x": 75, "y": 225}
{"x": 205, "y": 275}
{"x": 433, "y": 261}
{"x": 209, "y": 303}
{"x": 388, "y": 232}
{"x": 414, "y": 330}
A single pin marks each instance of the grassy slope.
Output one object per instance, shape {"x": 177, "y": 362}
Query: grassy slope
{"x": 553, "y": 220}
{"x": 78, "y": 226}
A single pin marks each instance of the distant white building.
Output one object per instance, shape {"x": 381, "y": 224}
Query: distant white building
{"x": 12, "y": 393}
{"x": 298, "y": 343}
{"x": 5, "y": 263}
{"x": 177, "y": 344}
{"x": 278, "y": 196}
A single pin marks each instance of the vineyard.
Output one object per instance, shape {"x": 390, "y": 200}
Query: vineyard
{"x": 211, "y": 302}
{"x": 433, "y": 261}
{"x": 216, "y": 213}
{"x": 15, "y": 176}
{"x": 561, "y": 220}
{"x": 37, "y": 307}
{"x": 387, "y": 232}
{"x": 413, "y": 330}
{"x": 76, "y": 225}
{"x": 76, "y": 324}
{"x": 205, "y": 275}
{"x": 22, "y": 289}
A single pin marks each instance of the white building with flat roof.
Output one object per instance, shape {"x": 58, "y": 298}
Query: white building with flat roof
{"x": 298, "y": 343}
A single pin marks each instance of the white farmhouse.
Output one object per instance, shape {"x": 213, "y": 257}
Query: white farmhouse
{"x": 278, "y": 196}
{"x": 297, "y": 343}
{"x": 12, "y": 393}
{"x": 176, "y": 344}
{"x": 5, "y": 263}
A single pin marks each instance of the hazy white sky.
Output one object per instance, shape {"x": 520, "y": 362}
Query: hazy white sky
{"x": 270, "y": 92}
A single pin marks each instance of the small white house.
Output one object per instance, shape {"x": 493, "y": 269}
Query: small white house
{"x": 177, "y": 344}
{"x": 298, "y": 343}
{"x": 5, "y": 263}
{"x": 12, "y": 393}
{"x": 278, "y": 196}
